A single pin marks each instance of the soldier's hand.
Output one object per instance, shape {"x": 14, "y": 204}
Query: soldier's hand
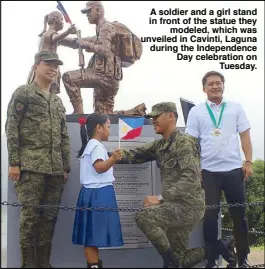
{"x": 14, "y": 173}
{"x": 72, "y": 30}
{"x": 151, "y": 200}
{"x": 117, "y": 155}
{"x": 65, "y": 175}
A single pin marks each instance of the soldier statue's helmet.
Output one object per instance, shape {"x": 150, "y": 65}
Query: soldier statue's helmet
{"x": 90, "y": 5}
{"x": 160, "y": 108}
{"x": 48, "y": 56}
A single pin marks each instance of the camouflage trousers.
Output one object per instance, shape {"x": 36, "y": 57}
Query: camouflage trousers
{"x": 105, "y": 89}
{"x": 37, "y": 225}
{"x": 169, "y": 225}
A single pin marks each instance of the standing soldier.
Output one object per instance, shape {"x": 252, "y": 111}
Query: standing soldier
{"x": 50, "y": 40}
{"x": 39, "y": 158}
{"x": 168, "y": 219}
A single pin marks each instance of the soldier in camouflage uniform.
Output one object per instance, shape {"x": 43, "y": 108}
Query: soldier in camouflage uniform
{"x": 39, "y": 158}
{"x": 168, "y": 220}
{"x": 104, "y": 70}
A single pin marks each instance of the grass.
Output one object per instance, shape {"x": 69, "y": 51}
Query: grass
{"x": 259, "y": 248}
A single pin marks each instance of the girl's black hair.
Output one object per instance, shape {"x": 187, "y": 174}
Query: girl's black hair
{"x": 87, "y": 130}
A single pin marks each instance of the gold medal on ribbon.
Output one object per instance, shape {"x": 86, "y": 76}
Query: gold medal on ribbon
{"x": 216, "y": 132}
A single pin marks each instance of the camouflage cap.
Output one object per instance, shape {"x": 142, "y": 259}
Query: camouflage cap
{"x": 89, "y": 5}
{"x": 160, "y": 108}
{"x": 47, "y": 56}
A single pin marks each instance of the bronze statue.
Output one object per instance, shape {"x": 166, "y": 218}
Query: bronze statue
{"x": 114, "y": 47}
{"x": 50, "y": 39}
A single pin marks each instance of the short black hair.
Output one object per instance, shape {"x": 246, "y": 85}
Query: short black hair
{"x": 212, "y": 73}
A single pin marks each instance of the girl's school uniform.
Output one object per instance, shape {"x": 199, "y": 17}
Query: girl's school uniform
{"x": 96, "y": 228}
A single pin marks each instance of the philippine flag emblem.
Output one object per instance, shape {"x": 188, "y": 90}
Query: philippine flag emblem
{"x": 130, "y": 128}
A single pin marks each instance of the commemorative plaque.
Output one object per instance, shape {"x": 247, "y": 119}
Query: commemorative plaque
{"x": 133, "y": 182}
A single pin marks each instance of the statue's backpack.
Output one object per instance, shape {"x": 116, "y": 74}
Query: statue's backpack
{"x": 128, "y": 46}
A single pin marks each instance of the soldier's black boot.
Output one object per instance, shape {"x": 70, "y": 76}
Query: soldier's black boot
{"x": 95, "y": 265}
{"x": 43, "y": 254}
{"x": 170, "y": 261}
{"x": 28, "y": 257}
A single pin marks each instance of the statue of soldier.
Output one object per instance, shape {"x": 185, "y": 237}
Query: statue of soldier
{"x": 39, "y": 158}
{"x": 104, "y": 71}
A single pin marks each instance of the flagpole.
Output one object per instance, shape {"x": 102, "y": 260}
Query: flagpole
{"x": 119, "y": 135}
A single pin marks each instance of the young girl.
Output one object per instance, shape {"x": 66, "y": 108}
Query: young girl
{"x": 94, "y": 229}
{"x": 50, "y": 40}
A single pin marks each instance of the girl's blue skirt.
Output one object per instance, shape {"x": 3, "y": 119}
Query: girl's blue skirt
{"x": 97, "y": 228}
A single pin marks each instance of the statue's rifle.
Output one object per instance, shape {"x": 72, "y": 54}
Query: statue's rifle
{"x": 81, "y": 56}
{"x": 80, "y": 51}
